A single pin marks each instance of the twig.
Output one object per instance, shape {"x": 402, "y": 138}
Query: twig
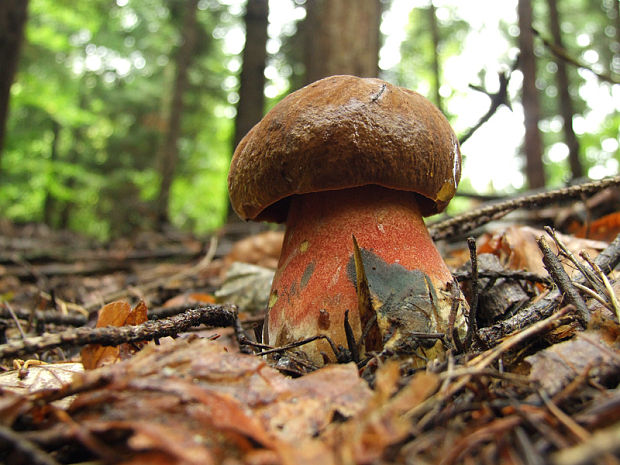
{"x": 565, "y": 251}
{"x": 51, "y": 317}
{"x": 580, "y": 432}
{"x": 462, "y": 224}
{"x": 560, "y": 277}
{"x": 481, "y": 362}
{"x": 497, "y": 100}
{"x": 517, "y": 275}
{"x": 453, "y": 332}
{"x": 600, "y": 443}
{"x": 211, "y": 315}
{"x": 26, "y": 450}
{"x": 295, "y": 344}
{"x": 15, "y": 319}
{"x": 607, "y": 285}
{"x": 472, "y": 326}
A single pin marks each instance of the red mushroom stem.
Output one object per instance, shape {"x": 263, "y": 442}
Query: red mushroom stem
{"x": 315, "y": 283}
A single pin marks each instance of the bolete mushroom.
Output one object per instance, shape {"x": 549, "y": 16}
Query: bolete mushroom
{"x": 342, "y": 157}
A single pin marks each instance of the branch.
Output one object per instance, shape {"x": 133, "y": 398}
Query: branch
{"x": 210, "y": 315}
{"x": 563, "y": 54}
{"x": 462, "y": 224}
{"x": 497, "y": 99}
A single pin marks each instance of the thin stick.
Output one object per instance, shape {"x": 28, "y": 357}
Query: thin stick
{"x": 560, "y": 277}
{"x": 211, "y": 315}
{"x": 472, "y": 327}
{"x": 463, "y": 224}
{"x": 584, "y": 271}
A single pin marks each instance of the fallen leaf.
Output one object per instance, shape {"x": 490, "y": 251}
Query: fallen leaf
{"x": 246, "y": 286}
{"x": 555, "y": 367}
{"x": 41, "y": 377}
{"x": 261, "y": 249}
{"x": 114, "y": 314}
{"x": 517, "y": 249}
{"x": 190, "y": 401}
{"x": 605, "y": 228}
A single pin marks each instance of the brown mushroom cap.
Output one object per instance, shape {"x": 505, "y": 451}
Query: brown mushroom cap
{"x": 343, "y": 132}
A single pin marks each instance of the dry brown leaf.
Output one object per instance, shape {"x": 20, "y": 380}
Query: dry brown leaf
{"x": 190, "y": 299}
{"x": 605, "y": 228}
{"x": 40, "y": 377}
{"x": 384, "y": 420}
{"x": 114, "y": 314}
{"x": 261, "y": 249}
{"x": 219, "y": 405}
{"x": 559, "y": 364}
{"x": 517, "y": 248}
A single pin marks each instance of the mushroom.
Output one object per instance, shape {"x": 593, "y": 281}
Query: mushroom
{"x": 342, "y": 157}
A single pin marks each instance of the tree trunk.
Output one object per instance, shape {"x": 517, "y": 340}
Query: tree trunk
{"x": 534, "y": 169}
{"x": 13, "y": 14}
{"x": 170, "y": 149}
{"x": 342, "y": 37}
{"x": 566, "y": 103}
{"x": 252, "y": 78}
{"x": 432, "y": 19}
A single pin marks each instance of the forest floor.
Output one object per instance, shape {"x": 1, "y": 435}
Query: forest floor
{"x": 145, "y": 350}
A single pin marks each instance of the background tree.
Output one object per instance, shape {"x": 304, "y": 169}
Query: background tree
{"x": 428, "y": 42}
{"x": 532, "y": 147}
{"x": 564, "y": 96}
{"x": 91, "y": 101}
{"x": 252, "y": 77}
{"x": 342, "y": 38}
{"x": 170, "y": 149}
{"x": 12, "y": 20}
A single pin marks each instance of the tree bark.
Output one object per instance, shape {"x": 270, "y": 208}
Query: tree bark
{"x": 13, "y": 15}
{"x": 342, "y": 37}
{"x": 170, "y": 149}
{"x": 252, "y": 79}
{"x": 432, "y": 19}
{"x": 533, "y": 147}
{"x": 566, "y": 103}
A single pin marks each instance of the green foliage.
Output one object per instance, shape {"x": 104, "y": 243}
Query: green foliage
{"x": 95, "y": 81}
{"x": 588, "y": 36}
{"x": 415, "y": 70}
{"x": 90, "y": 106}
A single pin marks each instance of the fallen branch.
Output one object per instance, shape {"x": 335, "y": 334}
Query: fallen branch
{"x": 561, "y": 279}
{"x": 463, "y": 224}
{"x": 210, "y": 315}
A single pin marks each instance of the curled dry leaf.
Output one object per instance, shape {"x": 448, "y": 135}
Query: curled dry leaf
{"x": 517, "y": 249}
{"x": 261, "y": 249}
{"x": 114, "y": 314}
{"x": 246, "y": 286}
